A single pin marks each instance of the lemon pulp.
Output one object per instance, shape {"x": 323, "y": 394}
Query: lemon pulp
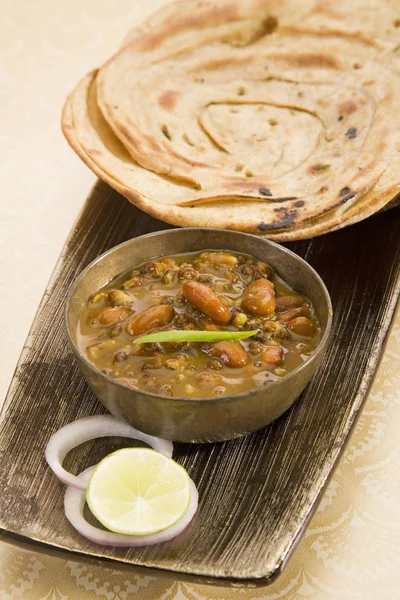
{"x": 138, "y": 491}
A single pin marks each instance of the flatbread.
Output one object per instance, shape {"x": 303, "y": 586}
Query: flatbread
{"x": 92, "y": 139}
{"x": 230, "y": 115}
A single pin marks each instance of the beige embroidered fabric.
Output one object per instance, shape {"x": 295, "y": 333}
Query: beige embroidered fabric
{"x": 351, "y": 549}
{"x": 258, "y": 115}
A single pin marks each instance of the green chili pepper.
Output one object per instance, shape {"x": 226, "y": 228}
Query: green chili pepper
{"x": 194, "y": 336}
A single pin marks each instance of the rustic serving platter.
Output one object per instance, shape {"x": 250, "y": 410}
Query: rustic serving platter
{"x": 257, "y": 492}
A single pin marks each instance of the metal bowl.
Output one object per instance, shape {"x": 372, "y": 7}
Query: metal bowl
{"x": 208, "y": 419}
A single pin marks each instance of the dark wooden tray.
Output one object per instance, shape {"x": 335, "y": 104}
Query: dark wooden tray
{"x": 258, "y": 492}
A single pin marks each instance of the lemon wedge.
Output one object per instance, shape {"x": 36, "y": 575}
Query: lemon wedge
{"x": 138, "y": 491}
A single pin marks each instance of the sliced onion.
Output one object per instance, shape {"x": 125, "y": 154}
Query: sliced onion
{"x": 74, "y": 503}
{"x": 89, "y": 428}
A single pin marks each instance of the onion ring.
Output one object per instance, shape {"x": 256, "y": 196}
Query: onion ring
{"x": 74, "y": 503}
{"x": 89, "y": 428}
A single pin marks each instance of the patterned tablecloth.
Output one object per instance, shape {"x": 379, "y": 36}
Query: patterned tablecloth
{"x": 351, "y": 549}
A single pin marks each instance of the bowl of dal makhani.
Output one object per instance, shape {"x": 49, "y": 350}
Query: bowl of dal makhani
{"x": 198, "y": 335}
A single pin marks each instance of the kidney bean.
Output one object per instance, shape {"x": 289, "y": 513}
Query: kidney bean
{"x": 221, "y": 258}
{"x": 273, "y": 354}
{"x": 231, "y": 353}
{"x": 109, "y": 316}
{"x": 206, "y": 301}
{"x": 259, "y": 298}
{"x": 287, "y": 302}
{"x": 301, "y": 326}
{"x": 301, "y": 311}
{"x": 154, "y": 316}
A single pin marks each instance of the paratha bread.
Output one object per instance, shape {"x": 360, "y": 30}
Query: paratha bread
{"x": 232, "y": 117}
{"x": 92, "y": 139}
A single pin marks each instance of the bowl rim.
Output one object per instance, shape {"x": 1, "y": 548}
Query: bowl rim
{"x": 273, "y": 384}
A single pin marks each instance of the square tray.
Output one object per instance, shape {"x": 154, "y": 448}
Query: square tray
{"x": 257, "y": 492}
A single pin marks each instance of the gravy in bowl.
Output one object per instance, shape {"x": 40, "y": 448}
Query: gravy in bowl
{"x": 211, "y": 291}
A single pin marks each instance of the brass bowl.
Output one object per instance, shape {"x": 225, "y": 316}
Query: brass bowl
{"x": 208, "y": 419}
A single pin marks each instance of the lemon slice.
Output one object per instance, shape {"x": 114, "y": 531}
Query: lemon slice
{"x": 137, "y": 491}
